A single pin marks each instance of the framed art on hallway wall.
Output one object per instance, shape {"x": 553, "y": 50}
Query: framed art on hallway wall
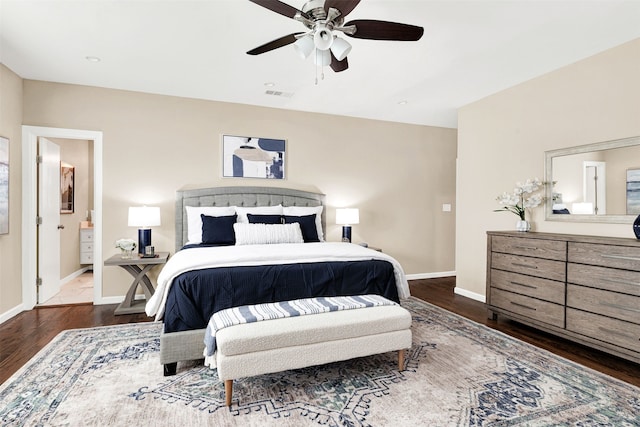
{"x": 253, "y": 157}
{"x": 67, "y": 188}
{"x": 4, "y": 185}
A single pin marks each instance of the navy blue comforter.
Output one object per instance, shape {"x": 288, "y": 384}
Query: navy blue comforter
{"x": 196, "y": 295}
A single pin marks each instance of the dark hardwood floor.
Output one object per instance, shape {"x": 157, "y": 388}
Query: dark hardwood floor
{"x": 24, "y": 335}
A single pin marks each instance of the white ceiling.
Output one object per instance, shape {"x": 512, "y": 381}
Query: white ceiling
{"x": 470, "y": 49}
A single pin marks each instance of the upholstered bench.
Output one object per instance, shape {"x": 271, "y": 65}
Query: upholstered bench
{"x": 275, "y": 345}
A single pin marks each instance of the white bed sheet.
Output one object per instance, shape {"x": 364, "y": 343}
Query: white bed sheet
{"x": 248, "y": 255}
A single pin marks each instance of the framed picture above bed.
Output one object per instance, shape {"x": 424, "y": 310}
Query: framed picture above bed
{"x": 253, "y": 157}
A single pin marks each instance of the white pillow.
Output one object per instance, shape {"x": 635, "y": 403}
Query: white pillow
{"x": 194, "y": 221}
{"x": 258, "y": 234}
{"x": 307, "y": 210}
{"x": 257, "y": 210}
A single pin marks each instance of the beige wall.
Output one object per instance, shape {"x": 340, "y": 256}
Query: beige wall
{"x": 398, "y": 175}
{"x": 10, "y": 244}
{"x": 77, "y": 153}
{"x": 502, "y": 139}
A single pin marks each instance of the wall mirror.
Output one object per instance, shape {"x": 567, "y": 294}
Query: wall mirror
{"x": 594, "y": 183}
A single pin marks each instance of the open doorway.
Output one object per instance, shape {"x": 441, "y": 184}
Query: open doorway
{"x": 75, "y": 229}
{"x": 30, "y": 263}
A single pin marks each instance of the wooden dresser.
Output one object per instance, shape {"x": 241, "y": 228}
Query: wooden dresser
{"x": 86, "y": 242}
{"x": 584, "y": 288}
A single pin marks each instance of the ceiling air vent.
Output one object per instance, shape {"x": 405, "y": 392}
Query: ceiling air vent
{"x": 279, "y": 93}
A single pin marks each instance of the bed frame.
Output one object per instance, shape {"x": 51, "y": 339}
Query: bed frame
{"x": 188, "y": 345}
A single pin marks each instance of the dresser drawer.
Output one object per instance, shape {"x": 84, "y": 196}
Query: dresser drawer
{"x": 611, "y": 279}
{"x": 612, "y": 331}
{"x": 624, "y": 257}
{"x": 86, "y": 235}
{"x": 548, "y": 269}
{"x": 86, "y": 247}
{"x": 548, "y": 249}
{"x": 533, "y": 308}
{"x": 548, "y": 290}
{"x": 86, "y": 258}
{"x": 613, "y": 304}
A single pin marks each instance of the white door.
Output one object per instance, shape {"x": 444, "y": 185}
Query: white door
{"x": 595, "y": 186}
{"x": 49, "y": 212}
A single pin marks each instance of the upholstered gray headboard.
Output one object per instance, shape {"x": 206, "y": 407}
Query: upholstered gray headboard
{"x": 240, "y": 196}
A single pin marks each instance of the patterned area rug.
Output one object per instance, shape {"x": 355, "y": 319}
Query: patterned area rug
{"x": 459, "y": 373}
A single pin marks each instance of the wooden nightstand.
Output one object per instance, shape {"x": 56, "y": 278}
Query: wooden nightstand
{"x": 138, "y": 267}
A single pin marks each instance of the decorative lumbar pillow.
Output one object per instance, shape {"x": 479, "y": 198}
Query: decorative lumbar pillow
{"x": 259, "y": 234}
{"x": 218, "y": 230}
{"x": 194, "y": 220}
{"x": 265, "y": 219}
{"x": 256, "y": 210}
{"x": 307, "y": 226}
{"x": 307, "y": 210}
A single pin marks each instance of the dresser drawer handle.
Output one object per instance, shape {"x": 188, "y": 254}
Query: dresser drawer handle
{"x": 523, "y": 306}
{"x": 516, "y": 264}
{"x": 620, "y": 307}
{"x": 528, "y": 248}
{"x": 615, "y": 332}
{"x": 524, "y": 285}
{"x": 622, "y": 282}
{"x": 627, "y": 258}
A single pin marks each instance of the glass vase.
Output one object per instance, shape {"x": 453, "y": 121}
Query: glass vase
{"x": 126, "y": 253}
{"x": 523, "y": 225}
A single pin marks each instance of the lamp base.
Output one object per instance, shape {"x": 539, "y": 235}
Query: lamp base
{"x": 144, "y": 239}
{"x": 346, "y": 233}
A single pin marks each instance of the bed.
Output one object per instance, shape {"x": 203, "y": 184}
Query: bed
{"x": 202, "y": 277}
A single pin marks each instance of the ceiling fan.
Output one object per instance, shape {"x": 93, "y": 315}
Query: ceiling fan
{"x": 325, "y": 18}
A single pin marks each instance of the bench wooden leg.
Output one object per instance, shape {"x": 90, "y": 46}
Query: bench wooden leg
{"x": 228, "y": 391}
{"x": 401, "y": 360}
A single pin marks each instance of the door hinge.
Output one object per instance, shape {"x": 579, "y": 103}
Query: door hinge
{"x": 38, "y": 159}
{"x": 39, "y": 281}
{"x": 38, "y": 220}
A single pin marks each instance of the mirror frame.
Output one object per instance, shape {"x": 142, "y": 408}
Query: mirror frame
{"x": 548, "y": 174}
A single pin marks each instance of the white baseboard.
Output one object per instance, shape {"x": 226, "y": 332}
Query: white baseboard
{"x": 11, "y": 313}
{"x": 469, "y": 294}
{"x": 74, "y": 275}
{"x": 430, "y": 275}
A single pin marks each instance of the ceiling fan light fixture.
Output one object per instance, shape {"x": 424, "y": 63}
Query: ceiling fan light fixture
{"x": 304, "y": 46}
{"x": 322, "y": 58}
{"x": 322, "y": 37}
{"x": 340, "y": 48}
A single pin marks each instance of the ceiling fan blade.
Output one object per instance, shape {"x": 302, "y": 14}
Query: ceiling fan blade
{"x": 344, "y": 6}
{"x": 279, "y": 7}
{"x": 384, "y": 30}
{"x": 274, "y": 44}
{"x": 338, "y": 66}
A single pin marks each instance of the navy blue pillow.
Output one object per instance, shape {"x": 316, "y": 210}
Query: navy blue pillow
{"x": 218, "y": 229}
{"x": 264, "y": 219}
{"x": 307, "y": 225}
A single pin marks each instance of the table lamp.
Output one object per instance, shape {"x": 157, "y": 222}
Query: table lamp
{"x": 347, "y": 217}
{"x": 144, "y": 217}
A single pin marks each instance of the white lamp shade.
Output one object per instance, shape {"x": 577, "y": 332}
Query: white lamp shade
{"x": 304, "y": 46}
{"x": 144, "y": 216}
{"x": 322, "y": 58}
{"x": 323, "y": 38}
{"x": 347, "y": 216}
{"x": 340, "y": 48}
